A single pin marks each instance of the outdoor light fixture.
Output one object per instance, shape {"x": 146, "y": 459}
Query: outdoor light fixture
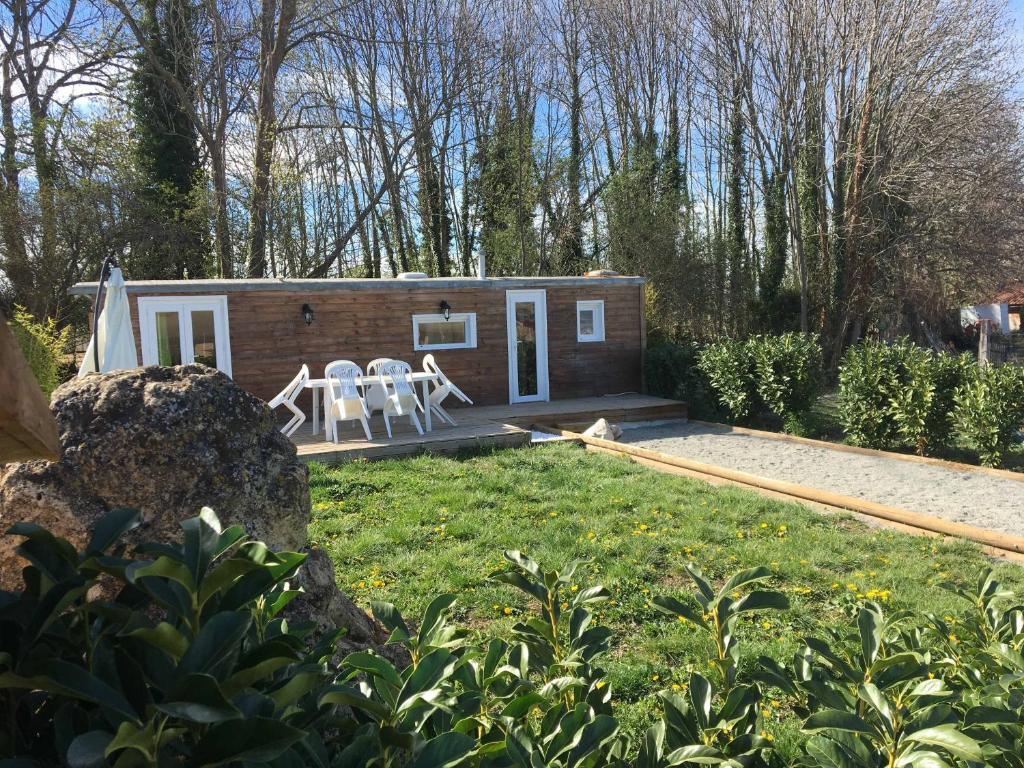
{"x": 307, "y": 314}
{"x": 446, "y": 309}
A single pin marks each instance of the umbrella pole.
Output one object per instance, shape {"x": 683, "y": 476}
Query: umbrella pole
{"x": 108, "y": 262}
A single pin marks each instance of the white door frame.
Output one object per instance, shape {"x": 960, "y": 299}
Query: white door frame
{"x": 184, "y": 305}
{"x": 540, "y": 302}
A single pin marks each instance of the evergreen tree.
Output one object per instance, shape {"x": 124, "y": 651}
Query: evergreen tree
{"x": 643, "y": 204}
{"x": 508, "y": 196}
{"x": 776, "y": 238}
{"x": 169, "y": 227}
{"x": 809, "y": 178}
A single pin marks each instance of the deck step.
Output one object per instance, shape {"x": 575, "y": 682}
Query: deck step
{"x": 503, "y": 426}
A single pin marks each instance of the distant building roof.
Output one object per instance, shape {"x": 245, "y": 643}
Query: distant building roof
{"x": 1013, "y": 293}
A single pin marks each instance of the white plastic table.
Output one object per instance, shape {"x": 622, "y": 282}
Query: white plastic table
{"x": 421, "y": 377}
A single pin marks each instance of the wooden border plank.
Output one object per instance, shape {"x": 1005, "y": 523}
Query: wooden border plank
{"x": 27, "y": 428}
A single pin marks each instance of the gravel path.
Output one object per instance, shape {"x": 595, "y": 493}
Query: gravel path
{"x": 975, "y": 498}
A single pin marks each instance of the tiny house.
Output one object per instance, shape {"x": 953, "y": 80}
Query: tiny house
{"x": 502, "y": 340}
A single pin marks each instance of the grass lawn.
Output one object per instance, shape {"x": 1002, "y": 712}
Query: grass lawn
{"x": 406, "y": 530}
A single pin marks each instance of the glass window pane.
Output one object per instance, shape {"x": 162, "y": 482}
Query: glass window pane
{"x": 204, "y": 345}
{"x": 442, "y": 332}
{"x": 168, "y": 338}
{"x": 526, "y": 348}
{"x": 586, "y": 322}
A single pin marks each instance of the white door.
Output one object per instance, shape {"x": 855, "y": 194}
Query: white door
{"x": 527, "y": 317}
{"x": 177, "y": 330}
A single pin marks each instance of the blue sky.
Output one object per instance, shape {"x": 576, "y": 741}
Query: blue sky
{"x": 1016, "y": 12}
{"x": 1016, "y": 8}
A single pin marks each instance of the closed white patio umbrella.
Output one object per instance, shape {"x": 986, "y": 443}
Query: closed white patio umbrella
{"x": 114, "y": 338}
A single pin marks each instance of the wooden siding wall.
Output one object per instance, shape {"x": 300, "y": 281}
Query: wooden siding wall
{"x": 270, "y": 341}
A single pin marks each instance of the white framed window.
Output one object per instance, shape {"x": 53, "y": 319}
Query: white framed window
{"x": 434, "y": 332}
{"x": 178, "y": 330}
{"x": 590, "y": 320}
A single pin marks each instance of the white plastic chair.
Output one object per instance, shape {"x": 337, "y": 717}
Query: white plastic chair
{"x": 287, "y": 398}
{"x": 342, "y": 398}
{"x": 376, "y": 394}
{"x": 401, "y": 400}
{"x": 443, "y": 387}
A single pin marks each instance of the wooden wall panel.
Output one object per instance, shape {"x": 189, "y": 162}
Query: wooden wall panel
{"x": 270, "y": 340}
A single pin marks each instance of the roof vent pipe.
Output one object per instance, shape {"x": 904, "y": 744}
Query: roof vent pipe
{"x": 481, "y": 265}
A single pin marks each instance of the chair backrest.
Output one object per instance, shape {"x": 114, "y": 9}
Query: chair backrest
{"x": 341, "y": 378}
{"x": 397, "y": 372}
{"x": 430, "y": 366}
{"x": 291, "y": 392}
{"x": 373, "y": 365}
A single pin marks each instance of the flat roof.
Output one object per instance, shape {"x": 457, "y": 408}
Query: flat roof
{"x": 345, "y": 283}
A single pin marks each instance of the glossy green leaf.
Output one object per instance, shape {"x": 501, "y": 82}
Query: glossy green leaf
{"x": 218, "y": 642}
{"x": 445, "y": 751}
{"x": 111, "y": 527}
{"x": 950, "y": 739}
{"x": 259, "y": 739}
{"x": 163, "y": 637}
{"x": 88, "y": 750}
{"x": 66, "y": 679}
{"x": 834, "y": 719}
{"x": 199, "y": 699}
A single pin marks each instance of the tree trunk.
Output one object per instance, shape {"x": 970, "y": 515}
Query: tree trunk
{"x": 15, "y": 265}
{"x": 275, "y": 26}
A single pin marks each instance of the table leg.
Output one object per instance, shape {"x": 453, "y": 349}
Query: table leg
{"x": 316, "y": 411}
{"x": 426, "y": 405}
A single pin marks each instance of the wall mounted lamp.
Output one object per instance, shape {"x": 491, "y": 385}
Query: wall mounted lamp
{"x": 446, "y": 309}
{"x": 307, "y": 314}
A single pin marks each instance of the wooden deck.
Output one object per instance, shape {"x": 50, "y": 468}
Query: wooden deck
{"x": 498, "y": 426}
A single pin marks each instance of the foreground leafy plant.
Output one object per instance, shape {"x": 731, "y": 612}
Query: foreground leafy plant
{"x": 183, "y": 657}
{"x": 719, "y": 612}
{"x": 899, "y": 693}
{"x": 180, "y": 656}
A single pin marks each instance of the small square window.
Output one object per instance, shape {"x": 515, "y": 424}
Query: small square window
{"x": 590, "y": 321}
{"x": 434, "y": 332}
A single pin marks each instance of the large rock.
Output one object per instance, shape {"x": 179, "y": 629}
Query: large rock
{"x": 166, "y": 441}
{"x": 169, "y": 441}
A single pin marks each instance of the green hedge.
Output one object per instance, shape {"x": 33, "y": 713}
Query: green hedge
{"x": 670, "y": 370}
{"x": 989, "y": 411}
{"x": 774, "y": 379}
{"x": 900, "y": 395}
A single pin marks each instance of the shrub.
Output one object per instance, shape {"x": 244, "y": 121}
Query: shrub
{"x": 913, "y": 691}
{"x": 899, "y": 394}
{"x": 671, "y": 370}
{"x": 867, "y": 383}
{"x": 43, "y": 346}
{"x": 788, "y": 372}
{"x": 774, "y": 377}
{"x": 990, "y": 410}
{"x": 184, "y": 659}
{"x": 729, "y": 368}
{"x": 922, "y": 404}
